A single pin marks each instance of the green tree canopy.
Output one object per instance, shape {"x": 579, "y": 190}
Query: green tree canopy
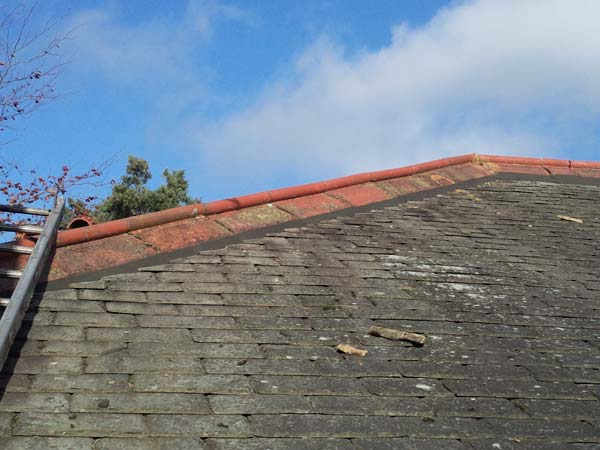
{"x": 132, "y": 197}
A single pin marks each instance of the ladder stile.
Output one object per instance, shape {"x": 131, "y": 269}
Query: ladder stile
{"x": 17, "y": 305}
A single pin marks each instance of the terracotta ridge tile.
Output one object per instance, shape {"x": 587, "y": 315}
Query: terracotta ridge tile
{"x": 499, "y": 164}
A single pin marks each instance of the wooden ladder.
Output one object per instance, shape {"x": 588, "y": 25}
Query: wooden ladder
{"x": 17, "y": 304}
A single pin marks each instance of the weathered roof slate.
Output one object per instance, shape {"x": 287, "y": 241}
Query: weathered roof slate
{"x": 233, "y": 348}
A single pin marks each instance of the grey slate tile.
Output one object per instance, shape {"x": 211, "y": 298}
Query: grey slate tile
{"x": 519, "y": 389}
{"x": 139, "y": 334}
{"x": 562, "y": 430}
{"x": 68, "y": 383}
{"x": 6, "y": 419}
{"x": 310, "y": 425}
{"x": 153, "y": 443}
{"x": 306, "y": 385}
{"x": 512, "y": 444}
{"x": 408, "y": 444}
{"x": 193, "y": 383}
{"x": 198, "y": 426}
{"x": 144, "y": 403}
{"x": 560, "y": 409}
{"x": 280, "y": 444}
{"x": 26, "y": 401}
{"x": 260, "y": 404}
{"x": 78, "y": 424}
{"x": 127, "y": 361}
{"x": 45, "y": 443}
{"x": 45, "y": 365}
{"x": 372, "y": 406}
{"x": 406, "y": 387}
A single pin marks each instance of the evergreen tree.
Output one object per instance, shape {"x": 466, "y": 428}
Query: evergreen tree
{"x": 132, "y": 197}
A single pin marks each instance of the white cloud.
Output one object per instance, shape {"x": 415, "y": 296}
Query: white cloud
{"x": 151, "y": 52}
{"x": 482, "y": 76}
{"x": 155, "y": 65}
{"x": 201, "y": 14}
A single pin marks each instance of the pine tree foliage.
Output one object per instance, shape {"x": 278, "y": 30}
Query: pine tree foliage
{"x": 132, "y": 197}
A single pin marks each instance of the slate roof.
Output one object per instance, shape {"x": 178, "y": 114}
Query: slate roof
{"x": 233, "y": 347}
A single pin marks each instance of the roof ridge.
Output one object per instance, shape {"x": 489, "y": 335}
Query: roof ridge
{"x": 120, "y": 226}
{"x": 122, "y": 241}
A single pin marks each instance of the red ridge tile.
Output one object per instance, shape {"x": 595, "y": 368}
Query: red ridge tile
{"x": 361, "y": 194}
{"x": 311, "y": 205}
{"x": 183, "y": 233}
{"x": 252, "y": 218}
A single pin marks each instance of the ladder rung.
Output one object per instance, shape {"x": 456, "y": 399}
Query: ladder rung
{"x": 24, "y": 210}
{"x": 10, "y": 273}
{"x": 14, "y": 248}
{"x": 4, "y": 301}
{"x": 34, "y": 229}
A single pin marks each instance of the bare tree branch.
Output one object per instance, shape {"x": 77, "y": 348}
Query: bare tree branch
{"x": 29, "y": 63}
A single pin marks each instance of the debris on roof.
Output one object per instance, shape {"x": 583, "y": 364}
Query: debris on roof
{"x": 397, "y": 335}
{"x": 350, "y": 350}
{"x": 569, "y": 219}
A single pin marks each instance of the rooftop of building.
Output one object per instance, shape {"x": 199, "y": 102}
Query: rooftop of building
{"x": 230, "y": 343}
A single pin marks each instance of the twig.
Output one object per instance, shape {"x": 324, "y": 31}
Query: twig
{"x": 397, "y": 335}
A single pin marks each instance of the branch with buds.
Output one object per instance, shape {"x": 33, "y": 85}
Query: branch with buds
{"x": 29, "y": 63}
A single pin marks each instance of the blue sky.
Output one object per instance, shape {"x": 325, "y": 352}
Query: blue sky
{"x": 259, "y": 94}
